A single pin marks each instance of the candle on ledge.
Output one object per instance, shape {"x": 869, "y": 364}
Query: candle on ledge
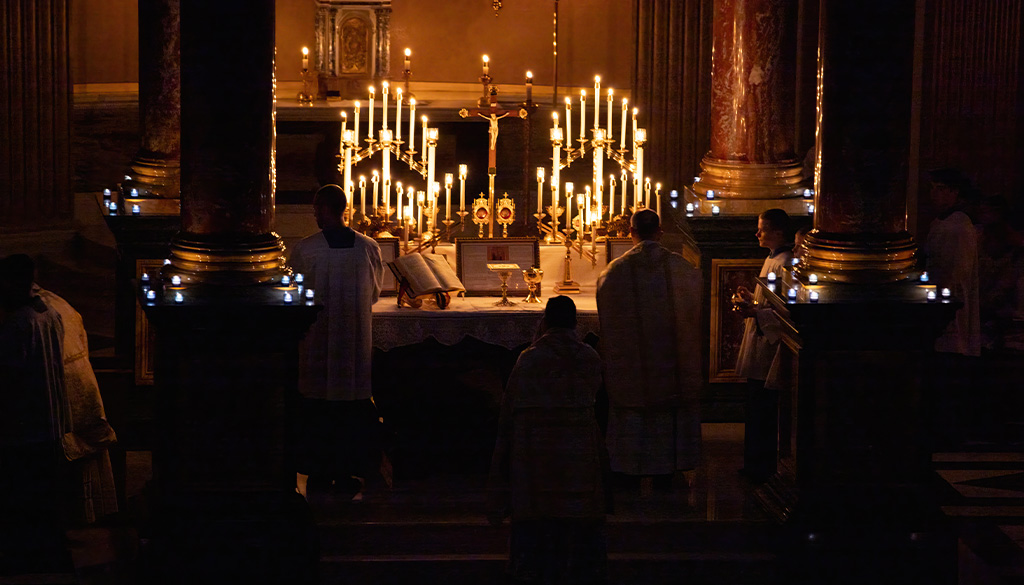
{"x": 583, "y": 113}
{"x": 463, "y": 172}
{"x": 715, "y": 210}
{"x": 136, "y": 210}
{"x": 286, "y": 280}
{"x": 179, "y": 298}
{"x": 151, "y": 294}
{"x": 412, "y": 123}
{"x": 408, "y": 59}
{"x": 106, "y": 193}
{"x": 540, "y": 189}
{"x": 487, "y": 68}
{"x": 814, "y": 296}
{"x": 305, "y": 58}
{"x": 597, "y": 101}
{"x": 309, "y": 293}
{"x": 384, "y": 102}
{"x": 622, "y": 136}
{"x": 287, "y": 297}
{"x": 398, "y": 114}
{"x": 812, "y": 279}
{"x": 529, "y": 87}
{"x": 771, "y": 275}
{"x": 175, "y": 280}
{"x": 448, "y": 180}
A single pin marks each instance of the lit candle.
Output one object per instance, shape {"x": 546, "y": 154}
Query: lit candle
{"x": 611, "y": 195}
{"x": 384, "y": 103}
{"x": 791, "y": 294}
{"x": 420, "y": 200}
{"x": 812, "y": 279}
{"x": 634, "y": 123}
{"x": 529, "y": 87}
{"x": 386, "y": 198}
{"x": 808, "y": 193}
{"x": 355, "y": 126}
{"x": 398, "y": 203}
{"x": 622, "y": 136}
{"x": 657, "y": 198}
{"x": 597, "y": 101}
{"x": 175, "y": 280}
{"x": 647, "y": 192}
{"x": 344, "y": 123}
{"x": 309, "y": 293}
{"x": 136, "y": 210}
{"x": 589, "y": 205}
{"x": 463, "y": 172}
{"x": 931, "y": 296}
{"x": 151, "y": 295}
{"x": 568, "y": 122}
{"x": 375, "y": 179}
{"x": 145, "y": 277}
{"x": 924, "y": 277}
{"x": 689, "y": 208}
{"x": 568, "y": 208}
{"x": 305, "y": 58}
{"x": 487, "y": 68}
{"x": 362, "y": 196}
{"x": 611, "y": 129}
{"x": 448, "y": 180}
{"x": 299, "y": 278}
{"x": 287, "y": 297}
{"x": 412, "y": 123}
{"x": 134, "y": 193}
{"x": 106, "y": 193}
{"x": 625, "y": 190}
{"x": 946, "y": 293}
{"x": 179, "y": 298}
{"x": 540, "y": 189}
{"x": 398, "y": 114}
{"x": 370, "y": 131}
{"x": 556, "y": 158}
{"x": 814, "y": 296}
{"x": 583, "y": 113}
{"x": 285, "y": 280}
{"x": 710, "y": 194}
{"x": 408, "y": 59}
{"x": 715, "y": 210}
{"x": 771, "y": 275}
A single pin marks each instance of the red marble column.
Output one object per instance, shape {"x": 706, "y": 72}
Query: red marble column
{"x": 752, "y": 85}
{"x": 155, "y": 170}
{"x": 227, "y": 144}
{"x": 35, "y": 108}
{"x": 865, "y": 72}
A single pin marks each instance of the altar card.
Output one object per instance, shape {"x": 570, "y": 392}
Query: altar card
{"x": 472, "y": 256}
{"x": 615, "y": 247}
{"x": 388, "y": 253}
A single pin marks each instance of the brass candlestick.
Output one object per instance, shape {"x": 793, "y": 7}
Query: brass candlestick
{"x": 568, "y": 286}
{"x": 305, "y": 96}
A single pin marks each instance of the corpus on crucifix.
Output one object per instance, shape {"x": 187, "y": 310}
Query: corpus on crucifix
{"x": 492, "y": 114}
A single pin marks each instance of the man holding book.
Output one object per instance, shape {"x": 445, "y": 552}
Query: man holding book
{"x": 337, "y": 439}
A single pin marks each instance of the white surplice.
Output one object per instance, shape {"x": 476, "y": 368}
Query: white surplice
{"x": 649, "y": 302}
{"x": 334, "y": 359}
{"x": 952, "y": 250}
{"x": 762, "y": 332}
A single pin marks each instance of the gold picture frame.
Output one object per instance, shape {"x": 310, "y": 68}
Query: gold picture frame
{"x": 615, "y": 247}
{"x": 727, "y": 325}
{"x": 473, "y": 254}
{"x": 389, "y": 250}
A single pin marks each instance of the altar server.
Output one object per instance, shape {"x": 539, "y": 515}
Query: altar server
{"x": 649, "y": 304}
{"x": 344, "y": 269}
{"x": 548, "y": 461}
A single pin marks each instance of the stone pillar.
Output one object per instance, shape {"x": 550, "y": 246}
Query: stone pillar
{"x": 227, "y": 145}
{"x": 35, "y": 109}
{"x": 751, "y": 163}
{"x": 155, "y": 170}
{"x": 382, "y": 70}
{"x": 865, "y": 71}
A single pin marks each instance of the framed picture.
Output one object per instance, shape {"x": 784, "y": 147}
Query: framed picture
{"x": 727, "y": 325}
{"x": 473, "y": 255}
{"x": 615, "y": 247}
{"x": 388, "y": 252}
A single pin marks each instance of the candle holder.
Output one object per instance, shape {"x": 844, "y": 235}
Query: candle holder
{"x": 462, "y": 219}
{"x": 555, "y": 212}
{"x": 448, "y": 223}
{"x": 485, "y": 99}
{"x": 567, "y": 286}
{"x": 305, "y": 97}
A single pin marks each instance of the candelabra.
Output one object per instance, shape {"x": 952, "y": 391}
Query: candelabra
{"x": 305, "y": 96}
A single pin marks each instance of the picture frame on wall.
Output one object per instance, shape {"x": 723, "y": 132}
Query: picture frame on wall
{"x": 472, "y": 255}
{"x": 727, "y": 325}
{"x": 389, "y": 250}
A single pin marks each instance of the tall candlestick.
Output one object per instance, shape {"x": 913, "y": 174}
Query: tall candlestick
{"x": 431, "y": 160}
{"x": 597, "y": 101}
{"x": 625, "y": 190}
{"x": 634, "y": 125}
{"x": 554, "y": 208}
{"x": 399, "y": 207}
{"x": 355, "y": 125}
{"x": 568, "y": 209}
{"x": 657, "y": 200}
{"x": 408, "y": 60}
{"x": 384, "y": 102}
{"x": 448, "y": 180}
{"x": 556, "y": 159}
{"x": 647, "y": 192}
{"x": 346, "y": 138}
{"x": 529, "y": 87}
{"x": 583, "y": 113}
{"x": 362, "y": 195}
{"x": 540, "y": 189}
{"x": 421, "y": 201}
{"x": 398, "y": 114}
{"x": 622, "y": 137}
{"x": 611, "y": 195}
{"x": 610, "y": 129}
{"x": 375, "y": 179}
{"x": 386, "y": 198}
{"x": 583, "y": 227}
{"x": 463, "y": 171}
{"x": 568, "y": 123}
{"x": 370, "y": 132}
{"x": 423, "y": 148}
{"x": 410, "y": 196}
{"x": 305, "y": 58}
{"x": 487, "y": 68}
{"x": 412, "y": 123}
{"x": 589, "y": 206}
{"x": 341, "y": 141}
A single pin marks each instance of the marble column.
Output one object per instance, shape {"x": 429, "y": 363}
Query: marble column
{"x": 35, "y": 114}
{"x": 751, "y": 163}
{"x": 155, "y": 170}
{"x": 227, "y": 146}
{"x": 865, "y": 73}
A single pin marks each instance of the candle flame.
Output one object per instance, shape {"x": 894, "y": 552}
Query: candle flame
{"x": 344, "y": 114}
{"x": 412, "y": 102}
{"x": 597, "y": 79}
{"x": 610, "y": 93}
{"x": 357, "y": 105}
{"x": 568, "y": 101}
{"x": 305, "y": 51}
{"x": 529, "y": 74}
{"x": 408, "y": 52}
{"x": 487, "y": 59}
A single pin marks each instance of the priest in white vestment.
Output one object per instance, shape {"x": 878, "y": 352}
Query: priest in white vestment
{"x": 762, "y": 335}
{"x": 649, "y": 301}
{"x": 344, "y": 269}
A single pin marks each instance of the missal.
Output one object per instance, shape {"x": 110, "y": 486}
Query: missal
{"x": 425, "y": 274}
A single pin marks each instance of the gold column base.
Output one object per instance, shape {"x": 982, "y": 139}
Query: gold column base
{"x": 742, "y": 180}
{"x": 259, "y": 260}
{"x": 153, "y": 177}
{"x": 871, "y": 260}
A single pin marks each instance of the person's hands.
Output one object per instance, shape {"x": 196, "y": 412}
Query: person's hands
{"x": 743, "y": 302}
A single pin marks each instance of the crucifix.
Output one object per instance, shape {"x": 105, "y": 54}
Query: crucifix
{"x": 492, "y": 114}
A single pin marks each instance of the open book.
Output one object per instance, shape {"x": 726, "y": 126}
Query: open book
{"x": 423, "y": 274}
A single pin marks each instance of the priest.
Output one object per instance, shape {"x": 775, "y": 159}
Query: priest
{"x": 338, "y": 421}
{"x": 648, "y": 302}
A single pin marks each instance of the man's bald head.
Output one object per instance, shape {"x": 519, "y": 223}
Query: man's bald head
{"x": 645, "y": 225}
